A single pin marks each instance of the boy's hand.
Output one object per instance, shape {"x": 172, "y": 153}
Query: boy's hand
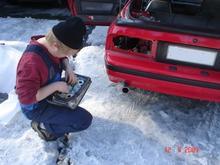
{"x": 62, "y": 86}
{"x": 70, "y": 76}
{"x": 47, "y": 90}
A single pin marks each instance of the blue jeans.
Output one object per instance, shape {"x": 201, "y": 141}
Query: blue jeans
{"x": 60, "y": 120}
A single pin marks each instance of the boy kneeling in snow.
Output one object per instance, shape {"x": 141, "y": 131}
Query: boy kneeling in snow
{"x": 39, "y": 75}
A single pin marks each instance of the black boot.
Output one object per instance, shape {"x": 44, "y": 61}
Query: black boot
{"x": 42, "y": 133}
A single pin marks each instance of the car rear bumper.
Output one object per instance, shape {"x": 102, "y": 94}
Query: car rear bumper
{"x": 165, "y": 84}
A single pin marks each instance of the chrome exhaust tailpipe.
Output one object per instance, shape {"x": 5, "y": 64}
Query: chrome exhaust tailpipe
{"x": 125, "y": 88}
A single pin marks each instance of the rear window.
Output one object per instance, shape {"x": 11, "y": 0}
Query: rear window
{"x": 198, "y": 17}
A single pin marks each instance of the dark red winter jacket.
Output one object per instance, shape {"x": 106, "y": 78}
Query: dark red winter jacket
{"x": 32, "y": 74}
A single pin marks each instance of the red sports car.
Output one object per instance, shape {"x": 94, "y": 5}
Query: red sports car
{"x": 167, "y": 46}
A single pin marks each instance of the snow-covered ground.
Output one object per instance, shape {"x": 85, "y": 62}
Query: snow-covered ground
{"x": 137, "y": 128}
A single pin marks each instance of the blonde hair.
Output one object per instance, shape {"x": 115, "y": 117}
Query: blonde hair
{"x": 51, "y": 38}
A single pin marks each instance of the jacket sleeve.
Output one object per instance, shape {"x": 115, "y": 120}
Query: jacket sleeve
{"x": 29, "y": 78}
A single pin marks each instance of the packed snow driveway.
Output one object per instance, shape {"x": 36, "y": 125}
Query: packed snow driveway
{"x": 136, "y": 128}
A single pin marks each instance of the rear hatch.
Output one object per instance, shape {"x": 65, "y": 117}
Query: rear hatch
{"x": 96, "y": 12}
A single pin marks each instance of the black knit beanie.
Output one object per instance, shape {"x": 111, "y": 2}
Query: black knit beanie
{"x": 70, "y": 32}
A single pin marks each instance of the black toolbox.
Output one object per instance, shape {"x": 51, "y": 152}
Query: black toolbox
{"x": 75, "y": 95}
